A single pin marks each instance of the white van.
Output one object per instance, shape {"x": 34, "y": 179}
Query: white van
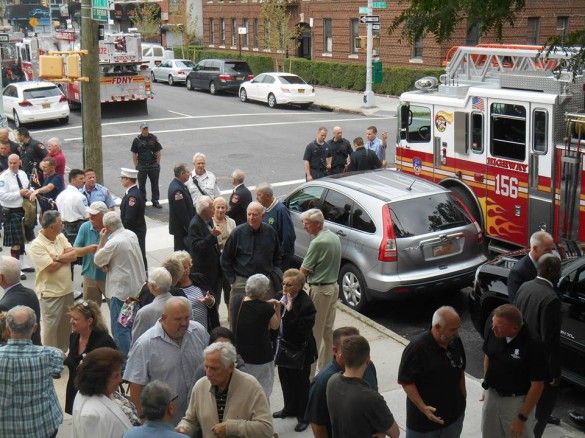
{"x": 153, "y": 54}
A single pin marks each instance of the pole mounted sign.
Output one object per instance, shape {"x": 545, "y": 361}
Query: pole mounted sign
{"x": 379, "y": 5}
{"x": 4, "y": 38}
{"x": 364, "y": 10}
{"x": 370, "y": 19}
{"x": 100, "y": 10}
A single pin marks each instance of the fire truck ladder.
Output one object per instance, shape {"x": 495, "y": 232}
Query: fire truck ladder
{"x": 486, "y": 63}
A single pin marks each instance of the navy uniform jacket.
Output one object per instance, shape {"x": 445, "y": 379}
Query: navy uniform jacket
{"x": 146, "y": 148}
{"x": 30, "y": 153}
{"x": 363, "y": 159}
{"x": 132, "y": 211}
{"x": 19, "y": 295}
{"x": 239, "y": 201}
{"x": 524, "y": 270}
{"x": 181, "y": 209}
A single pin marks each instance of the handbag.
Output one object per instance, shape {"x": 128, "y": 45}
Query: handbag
{"x": 289, "y": 355}
{"x": 128, "y": 312}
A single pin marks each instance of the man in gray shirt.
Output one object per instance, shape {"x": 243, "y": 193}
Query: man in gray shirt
{"x": 170, "y": 351}
{"x": 159, "y": 284}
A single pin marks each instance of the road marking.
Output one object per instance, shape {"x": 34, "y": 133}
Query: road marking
{"x": 166, "y": 119}
{"x": 291, "y": 182}
{"x": 247, "y": 125}
{"x": 180, "y": 114}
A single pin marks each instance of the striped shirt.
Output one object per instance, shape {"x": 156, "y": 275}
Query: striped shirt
{"x": 29, "y": 406}
{"x": 198, "y": 309}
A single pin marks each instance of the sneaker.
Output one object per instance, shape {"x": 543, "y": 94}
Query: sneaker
{"x": 22, "y": 275}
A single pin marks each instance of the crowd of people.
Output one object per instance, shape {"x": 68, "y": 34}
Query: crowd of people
{"x": 187, "y": 374}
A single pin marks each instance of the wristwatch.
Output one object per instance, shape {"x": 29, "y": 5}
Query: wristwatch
{"x": 522, "y": 417}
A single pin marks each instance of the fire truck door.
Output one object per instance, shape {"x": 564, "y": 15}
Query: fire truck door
{"x": 540, "y": 193}
{"x": 507, "y": 172}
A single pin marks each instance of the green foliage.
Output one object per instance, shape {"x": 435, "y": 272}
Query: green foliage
{"x": 147, "y": 20}
{"x": 571, "y": 43}
{"x": 258, "y": 63}
{"x": 396, "y": 80}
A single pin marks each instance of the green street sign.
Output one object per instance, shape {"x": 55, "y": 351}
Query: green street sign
{"x": 364, "y": 10}
{"x": 100, "y": 14}
{"x": 100, "y": 4}
{"x": 379, "y": 5}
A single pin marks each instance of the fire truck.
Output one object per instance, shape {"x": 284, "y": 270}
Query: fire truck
{"x": 503, "y": 129}
{"x": 120, "y": 57}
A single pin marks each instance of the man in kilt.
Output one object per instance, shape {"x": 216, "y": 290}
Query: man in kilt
{"x": 13, "y": 189}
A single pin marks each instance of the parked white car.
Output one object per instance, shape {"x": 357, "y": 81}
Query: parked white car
{"x": 278, "y": 89}
{"x": 34, "y": 101}
{"x": 172, "y": 70}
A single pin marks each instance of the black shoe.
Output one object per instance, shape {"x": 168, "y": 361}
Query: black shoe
{"x": 28, "y": 269}
{"x": 577, "y": 417}
{"x": 22, "y": 276}
{"x": 281, "y": 414}
{"x": 155, "y": 204}
{"x": 301, "y": 426}
{"x": 554, "y": 420}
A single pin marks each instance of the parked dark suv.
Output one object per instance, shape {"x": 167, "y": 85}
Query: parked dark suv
{"x": 219, "y": 75}
{"x": 490, "y": 290}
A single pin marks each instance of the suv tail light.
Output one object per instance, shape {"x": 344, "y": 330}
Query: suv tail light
{"x": 225, "y": 77}
{"x": 25, "y": 103}
{"x": 388, "y": 251}
{"x": 470, "y": 216}
{"x": 62, "y": 99}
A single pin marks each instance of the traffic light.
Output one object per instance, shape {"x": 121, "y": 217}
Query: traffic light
{"x": 73, "y": 66}
{"x": 51, "y": 66}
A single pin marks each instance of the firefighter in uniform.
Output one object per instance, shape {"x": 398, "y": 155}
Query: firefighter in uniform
{"x": 31, "y": 152}
{"x": 146, "y": 156}
{"x": 132, "y": 208}
{"x": 181, "y": 209}
{"x": 317, "y": 157}
{"x": 240, "y": 198}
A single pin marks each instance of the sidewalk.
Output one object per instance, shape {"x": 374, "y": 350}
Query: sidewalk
{"x": 352, "y": 102}
{"x": 386, "y": 350}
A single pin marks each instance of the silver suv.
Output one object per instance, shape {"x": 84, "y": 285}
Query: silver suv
{"x": 400, "y": 234}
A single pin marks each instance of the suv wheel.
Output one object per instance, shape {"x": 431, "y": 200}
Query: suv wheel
{"x": 271, "y": 100}
{"x": 189, "y": 84}
{"x": 170, "y": 80}
{"x": 212, "y": 89}
{"x": 352, "y": 287}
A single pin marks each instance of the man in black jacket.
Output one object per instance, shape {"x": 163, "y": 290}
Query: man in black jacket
{"x": 181, "y": 209}
{"x": 541, "y": 307}
{"x": 16, "y": 294}
{"x": 146, "y": 153}
{"x": 524, "y": 270}
{"x": 31, "y": 152}
{"x": 362, "y": 158}
{"x": 240, "y": 198}
{"x": 203, "y": 246}
{"x": 132, "y": 209}
{"x": 340, "y": 150}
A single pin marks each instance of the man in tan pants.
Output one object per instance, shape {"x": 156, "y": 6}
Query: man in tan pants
{"x": 321, "y": 267}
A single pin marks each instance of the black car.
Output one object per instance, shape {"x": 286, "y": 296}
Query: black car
{"x": 490, "y": 290}
{"x": 219, "y": 75}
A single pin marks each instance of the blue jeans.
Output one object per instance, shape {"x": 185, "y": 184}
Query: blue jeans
{"x": 451, "y": 431}
{"x": 122, "y": 335}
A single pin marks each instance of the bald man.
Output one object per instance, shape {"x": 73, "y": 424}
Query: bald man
{"x": 170, "y": 351}
{"x": 340, "y": 150}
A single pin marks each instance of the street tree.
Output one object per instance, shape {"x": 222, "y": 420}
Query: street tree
{"x": 279, "y": 35}
{"x": 147, "y": 20}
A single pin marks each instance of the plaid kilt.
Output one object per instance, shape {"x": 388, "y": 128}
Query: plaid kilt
{"x": 13, "y": 234}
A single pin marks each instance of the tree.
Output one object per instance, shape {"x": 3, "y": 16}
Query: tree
{"x": 279, "y": 36}
{"x": 147, "y": 20}
{"x": 571, "y": 42}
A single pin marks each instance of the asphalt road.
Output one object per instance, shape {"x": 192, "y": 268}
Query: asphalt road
{"x": 268, "y": 145}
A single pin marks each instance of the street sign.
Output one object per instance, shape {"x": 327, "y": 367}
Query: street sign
{"x": 100, "y": 4}
{"x": 370, "y": 19}
{"x": 4, "y": 38}
{"x": 379, "y": 5}
{"x": 99, "y": 14}
{"x": 364, "y": 10}
{"x": 376, "y": 26}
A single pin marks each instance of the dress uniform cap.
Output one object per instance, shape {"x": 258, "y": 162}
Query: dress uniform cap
{"x": 129, "y": 173}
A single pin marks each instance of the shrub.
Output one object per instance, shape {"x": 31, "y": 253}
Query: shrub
{"x": 258, "y": 63}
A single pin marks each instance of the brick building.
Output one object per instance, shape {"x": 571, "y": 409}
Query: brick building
{"x": 329, "y": 29}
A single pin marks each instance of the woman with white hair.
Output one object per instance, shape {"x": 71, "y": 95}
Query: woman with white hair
{"x": 252, "y": 320}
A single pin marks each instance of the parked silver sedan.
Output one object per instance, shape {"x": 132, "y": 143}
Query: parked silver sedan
{"x": 172, "y": 71}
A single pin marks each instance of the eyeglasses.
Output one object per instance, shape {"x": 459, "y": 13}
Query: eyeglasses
{"x": 455, "y": 362}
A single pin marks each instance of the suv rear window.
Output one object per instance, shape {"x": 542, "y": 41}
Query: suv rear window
{"x": 237, "y": 67}
{"x": 37, "y": 93}
{"x": 427, "y": 215}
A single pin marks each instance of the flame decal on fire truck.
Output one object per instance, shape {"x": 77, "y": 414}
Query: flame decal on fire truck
{"x": 497, "y": 223}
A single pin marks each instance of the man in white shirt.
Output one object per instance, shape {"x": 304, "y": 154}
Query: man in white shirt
{"x": 13, "y": 189}
{"x": 201, "y": 182}
{"x": 72, "y": 205}
{"x": 119, "y": 255}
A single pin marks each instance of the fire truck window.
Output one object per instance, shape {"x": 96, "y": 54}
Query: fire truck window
{"x": 476, "y": 132}
{"x": 540, "y": 123}
{"x": 508, "y": 131}
{"x": 419, "y": 129}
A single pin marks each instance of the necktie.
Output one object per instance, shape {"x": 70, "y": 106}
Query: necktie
{"x": 18, "y": 181}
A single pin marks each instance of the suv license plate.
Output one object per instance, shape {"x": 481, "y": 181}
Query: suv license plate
{"x": 444, "y": 249}
{"x": 46, "y": 105}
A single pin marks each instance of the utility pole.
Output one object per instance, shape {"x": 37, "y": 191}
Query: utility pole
{"x": 369, "y": 98}
{"x": 91, "y": 112}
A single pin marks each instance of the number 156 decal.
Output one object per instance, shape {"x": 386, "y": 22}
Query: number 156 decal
{"x": 507, "y": 186}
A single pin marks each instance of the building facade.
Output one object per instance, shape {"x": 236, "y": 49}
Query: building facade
{"x": 330, "y": 30}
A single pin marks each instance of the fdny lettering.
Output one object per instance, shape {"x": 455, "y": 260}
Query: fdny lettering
{"x": 505, "y": 164}
{"x": 121, "y": 80}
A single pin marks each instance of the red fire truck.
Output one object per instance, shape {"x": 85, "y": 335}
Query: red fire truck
{"x": 120, "y": 57}
{"x": 502, "y": 128}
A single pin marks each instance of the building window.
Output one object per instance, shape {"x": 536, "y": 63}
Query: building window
{"x": 417, "y": 48}
{"x": 255, "y": 29}
{"x": 327, "y": 36}
{"x": 211, "y": 31}
{"x": 563, "y": 26}
{"x": 234, "y": 32}
{"x": 245, "y": 36}
{"x": 267, "y": 35}
{"x": 222, "y": 31}
{"x": 354, "y": 42}
{"x": 472, "y": 37}
{"x": 533, "y": 30}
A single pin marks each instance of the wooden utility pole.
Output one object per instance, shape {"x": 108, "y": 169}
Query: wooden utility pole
{"x": 91, "y": 112}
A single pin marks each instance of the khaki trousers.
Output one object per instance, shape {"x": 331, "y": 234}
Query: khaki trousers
{"x": 94, "y": 290}
{"x": 325, "y": 299}
{"x": 55, "y": 326}
{"x": 499, "y": 412}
